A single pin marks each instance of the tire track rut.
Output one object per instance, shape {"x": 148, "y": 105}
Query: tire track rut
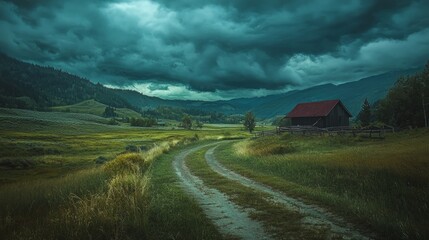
{"x": 314, "y": 216}
{"x": 230, "y": 219}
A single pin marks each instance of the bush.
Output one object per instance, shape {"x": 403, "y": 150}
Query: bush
{"x": 112, "y": 121}
{"x": 37, "y": 151}
{"x": 132, "y": 148}
{"x": 109, "y": 112}
{"x": 17, "y": 163}
{"x": 101, "y": 160}
{"x": 144, "y": 148}
{"x": 142, "y": 122}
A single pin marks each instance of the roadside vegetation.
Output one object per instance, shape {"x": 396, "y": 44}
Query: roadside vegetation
{"x": 382, "y": 185}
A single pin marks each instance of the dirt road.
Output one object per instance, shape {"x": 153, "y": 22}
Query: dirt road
{"x": 231, "y": 220}
{"x": 314, "y": 216}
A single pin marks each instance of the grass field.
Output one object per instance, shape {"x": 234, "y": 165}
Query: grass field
{"x": 382, "y": 185}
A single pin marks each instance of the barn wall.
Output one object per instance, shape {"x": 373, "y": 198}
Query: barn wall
{"x": 308, "y": 121}
{"x": 337, "y": 117}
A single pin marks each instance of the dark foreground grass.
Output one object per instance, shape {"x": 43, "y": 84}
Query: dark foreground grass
{"x": 171, "y": 213}
{"x": 381, "y": 185}
{"x": 30, "y": 209}
{"x": 279, "y": 221}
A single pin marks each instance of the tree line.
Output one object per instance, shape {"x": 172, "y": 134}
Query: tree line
{"x": 175, "y": 113}
{"x": 405, "y": 105}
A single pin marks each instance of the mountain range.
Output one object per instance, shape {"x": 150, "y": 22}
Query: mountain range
{"x": 29, "y": 86}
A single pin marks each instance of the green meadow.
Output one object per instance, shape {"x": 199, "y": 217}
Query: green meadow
{"x": 52, "y": 188}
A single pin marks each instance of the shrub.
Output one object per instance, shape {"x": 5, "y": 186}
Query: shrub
{"x": 37, "y": 151}
{"x": 17, "y": 163}
{"x": 142, "y": 122}
{"x": 109, "y": 112}
{"x": 112, "y": 121}
{"x": 144, "y": 148}
{"x": 101, "y": 160}
{"x": 132, "y": 148}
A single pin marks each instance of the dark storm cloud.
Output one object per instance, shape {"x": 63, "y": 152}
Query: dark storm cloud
{"x": 218, "y": 46}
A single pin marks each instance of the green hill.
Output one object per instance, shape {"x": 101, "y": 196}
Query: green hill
{"x": 28, "y": 86}
{"x": 96, "y": 108}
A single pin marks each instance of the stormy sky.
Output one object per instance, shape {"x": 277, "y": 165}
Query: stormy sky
{"x": 206, "y": 49}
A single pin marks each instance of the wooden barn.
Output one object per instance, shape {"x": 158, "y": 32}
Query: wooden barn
{"x": 323, "y": 114}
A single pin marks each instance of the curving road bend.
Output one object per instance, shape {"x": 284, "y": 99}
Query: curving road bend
{"x": 314, "y": 216}
{"x": 230, "y": 219}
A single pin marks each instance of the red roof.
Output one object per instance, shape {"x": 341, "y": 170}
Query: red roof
{"x": 314, "y": 109}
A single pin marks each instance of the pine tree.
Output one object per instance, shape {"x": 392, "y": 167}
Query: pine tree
{"x": 365, "y": 114}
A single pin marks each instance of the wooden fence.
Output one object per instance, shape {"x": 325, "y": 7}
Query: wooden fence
{"x": 373, "y": 132}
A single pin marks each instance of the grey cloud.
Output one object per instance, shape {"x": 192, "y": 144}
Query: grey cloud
{"x": 215, "y": 46}
{"x": 154, "y": 87}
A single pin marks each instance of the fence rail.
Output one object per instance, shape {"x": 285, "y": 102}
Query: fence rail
{"x": 372, "y": 132}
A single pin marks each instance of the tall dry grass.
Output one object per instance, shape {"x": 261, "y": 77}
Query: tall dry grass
{"x": 100, "y": 203}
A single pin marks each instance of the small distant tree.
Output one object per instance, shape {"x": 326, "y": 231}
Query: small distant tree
{"x": 365, "y": 114}
{"x": 198, "y": 124}
{"x": 249, "y": 122}
{"x": 186, "y": 122}
{"x": 109, "y": 112}
{"x": 112, "y": 121}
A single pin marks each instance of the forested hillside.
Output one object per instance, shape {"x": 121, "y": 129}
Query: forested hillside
{"x": 29, "y": 86}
